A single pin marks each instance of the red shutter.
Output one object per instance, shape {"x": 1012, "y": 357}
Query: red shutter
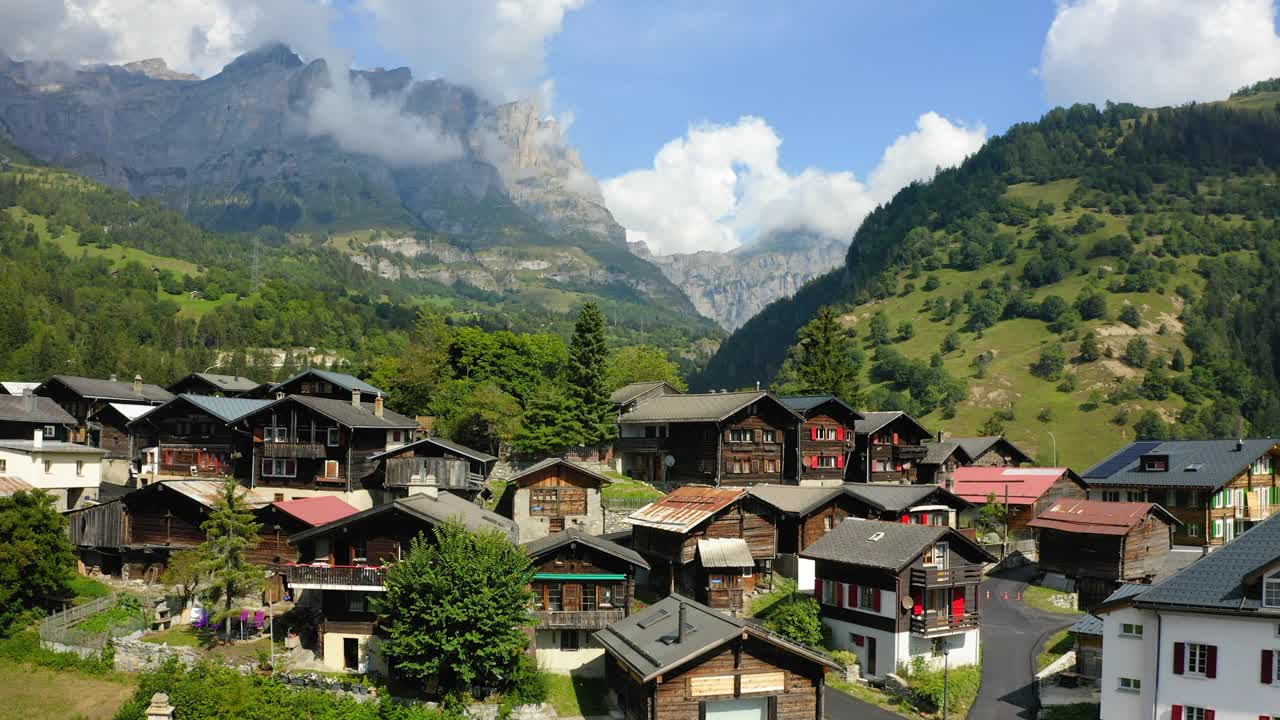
{"x": 906, "y": 519}
{"x": 859, "y": 640}
{"x": 839, "y": 461}
{"x": 895, "y": 438}
{"x": 813, "y": 432}
{"x": 1179, "y": 652}
{"x": 1211, "y": 667}
{"x": 875, "y": 599}
{"x": 840, "y": 434}
{"x": 957, "y": 601}
{"x": 851, "y": 596}
{"x": 817, "y": 589}
{"x": 813, "y": 461}
{"x": 1177, "y": 712}
{"x": 1208, "y": 714}
{"x": 917, "y": 597}
{"x": 1268, "y": 672}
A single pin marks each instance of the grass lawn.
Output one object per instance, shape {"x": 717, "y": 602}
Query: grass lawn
{"x": 872, "y": 696}
{"x": 625, "y": 488}
{"x": 577, "y": 696}
{"x": 1077, "y": 711}
{"x": 178, "y": 636}
{"x": 86, "y": 589}
{"x": 1057, "y": 646}
{"x": 1041, "y": 598}
{"x": 39, "y": 694}
{"x": 783, "y": 589}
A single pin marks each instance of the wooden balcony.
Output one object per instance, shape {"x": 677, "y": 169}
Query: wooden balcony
{"x": 577, "y": 619}
{"x": 335, "y": 577}
{"x": 637, "y": 444}
{"x": 430, "y": 472}
{"x": 928, "y": 625}
{"x": 305, "y": 450}
{"x": 932, "y": 577}
{"x": 347, "y": 626}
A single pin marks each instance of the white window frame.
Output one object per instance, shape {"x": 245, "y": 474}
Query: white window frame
{"x": 1130, "y": 685}
{"x": 866, "y": 596}
{"x": 1196, "y": 661}
{"x": 333, "y": 436}
{"x": 1111, "y": 496}
{"x": 1217, "y": 527}
{"x": 1272, "y": 583}
{"x": 50, "y": 431}
{"x": 769, "y": 436}
{"x": 827, "y": 462}
{"x": 736, "y": 435}
{"x": 1131, "y": 630}
{"x": 275, "y": 433}
{"x": 280, "y": 463}
{"x": 1193, "y": 712}
{"x": 79, "y": 468}
{"x": 936, "y": 555}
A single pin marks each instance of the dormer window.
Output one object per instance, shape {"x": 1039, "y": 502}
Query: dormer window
{"x": 1271, "y": 591}
{"x": 1155, "y": 463}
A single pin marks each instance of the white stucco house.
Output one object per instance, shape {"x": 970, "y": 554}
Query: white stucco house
{"x": 67, "y": 471}
{"x": 1203, "y": 644}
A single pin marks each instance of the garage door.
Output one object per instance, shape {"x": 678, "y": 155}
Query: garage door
{"x": 740, "y": 709}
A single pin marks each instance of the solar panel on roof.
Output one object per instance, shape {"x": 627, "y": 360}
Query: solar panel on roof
{"x": 1122, "y": 459}
{"x": 647, "y": 622}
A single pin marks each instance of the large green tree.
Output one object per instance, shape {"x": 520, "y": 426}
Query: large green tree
{"x": 588, "y": 360}
{"x": 642, "y": 363}
{"x": 823, "y": 361}
{"x": 549, "y": 424}
{"x": 35, "y": 556}
{"x": 455, "y": 609}
{"x": 230, "y": 531}
{"x": 481, "y": 415}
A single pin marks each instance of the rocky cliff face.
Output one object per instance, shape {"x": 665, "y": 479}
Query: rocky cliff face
{"x": 732, "y": 287}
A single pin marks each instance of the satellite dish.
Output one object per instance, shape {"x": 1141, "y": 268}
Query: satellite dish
{"x": 908, "y": 603}
{"x": 669, "y": 461}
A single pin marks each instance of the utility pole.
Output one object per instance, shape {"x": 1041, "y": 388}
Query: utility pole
{"x": 1005, "y": 551}
{"x": 1055, "y": 448}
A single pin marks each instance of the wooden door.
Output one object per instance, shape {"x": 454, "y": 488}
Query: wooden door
{"x": 572, "y": 597}
{"x": 870, "y": 660}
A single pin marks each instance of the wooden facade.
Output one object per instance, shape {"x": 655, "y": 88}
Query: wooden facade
{"x": 825, "y": 447}
{"x": 601, "y": 593}
{"x": 889, "y": 452}
{"x": 190, "y": 442}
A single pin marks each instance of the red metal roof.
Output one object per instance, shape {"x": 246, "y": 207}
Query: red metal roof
{"x": 316, "y": 511}
{"x": 1025, "y": 484}
{"x": 685, "y": 508}
{"x": 1094, "y": 517}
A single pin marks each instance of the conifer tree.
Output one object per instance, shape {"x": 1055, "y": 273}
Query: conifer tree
{"x": 588, "y": 360}
{"x": 230, "y": 531}
{"x": 549, "y": 423}
{"x": 823, "y": 361}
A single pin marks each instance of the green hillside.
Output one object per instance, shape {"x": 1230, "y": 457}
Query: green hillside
{"x": 1166, "y": 219}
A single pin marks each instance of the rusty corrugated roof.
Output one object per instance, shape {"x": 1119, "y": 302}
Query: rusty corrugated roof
{"x": 1097, "y": 517}
{"x": 206, "y": 492}
{"x": 685, "y": 508}
{"x": 10, "y": 485}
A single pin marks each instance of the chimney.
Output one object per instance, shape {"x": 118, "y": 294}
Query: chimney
{"x": 757, "y": 386}
{"x": 377, "y": 405}
{"x": 137, "y": 384}
{"x": 37, "y": 438}
{"x": 28, "y": 400}
{"x": 355, "y": 398}
{"x": 942, "y": 435}
{"x": 1240, "y": 445}
{"x": 680, "y": 629}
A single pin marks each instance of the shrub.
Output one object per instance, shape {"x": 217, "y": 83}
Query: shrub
{"x": 932, "y": 283}
{"x": 844, "y": 657}
{"x": 797, "y": 619}
{"x": 1131, "y": 317}
{"x": 1052, "y": 360}
{"x": 962, "y": 688}
{"x": 1137, "y": 353}
{"x": 1045, "y": 415}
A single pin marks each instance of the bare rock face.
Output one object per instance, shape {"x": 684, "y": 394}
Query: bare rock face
{"x": 158, "y": 69}
{"x": 732, "y": 287}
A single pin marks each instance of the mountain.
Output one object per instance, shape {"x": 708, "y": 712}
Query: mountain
{"x": 732, "y": 287}
{"x": 1095, "y": 276}
{"x": 273, "y": 141}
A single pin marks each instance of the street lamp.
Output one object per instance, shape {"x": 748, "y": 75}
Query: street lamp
{"x": 945, "y": 669}
{"x": 1055, "y": 449}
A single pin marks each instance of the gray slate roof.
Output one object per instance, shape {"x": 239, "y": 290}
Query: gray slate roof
{"x": 112, "y": 389}
{"x": 13, "y": 408}
{"x": 342, "y": 380}
{"x": 794, "y": 499}
{"x": 873, "y": 421}
{"x": 1218, "y": 462}
{"x": 447, "y": 445}
{"x": 433, "y": 511}
{"x": 543, "y": 464}
{"x": 556, "y": 540}
{"x": 1087, "y": 625}
{"x": 225, "y": 409}
{"x": 28, "y": 446}
{"x": 1126, "y": 590}
{"x": 804, "y": 403}
{"x": 893, "y": 497}
{"x": 1217, "y": 580}
{"x": 627, "y": 393}
{"x": 850, "y": 542}
{"x": 705, "y": 407}
{"x": 344, "y": 413}
{"x": 229, "y": 383}
{"x": 936, "y": 453}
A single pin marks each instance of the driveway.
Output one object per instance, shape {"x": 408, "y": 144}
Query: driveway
{"x": 1012, "y": 634}
{"x": 843, "y": 707}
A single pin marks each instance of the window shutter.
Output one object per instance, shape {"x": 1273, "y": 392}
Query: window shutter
{"x": 1177, "y": 712}
{"x": 1211, "y": 667}
{"x": 875, "y": 599}
{"x": 906, "y": 519}
{"x": 813, "y": 461}
{"x": 895, "y": 438}
{"x": 839, "y": 461}
{"x": 957, "y": 601}
{"x": 1268, "y": 673}
{"x": 813, "y": 432}
{"x": 1179, "y": 654}
{"x": 728, "y": 435}
{"x": 1208, "y": 714}
{"x": 840, "y": 434}
{"x": 758, "y": 435}
{"x": 817, "y": 589}
{"x": 917, "y": 597}
{"x": 851, "y": 596}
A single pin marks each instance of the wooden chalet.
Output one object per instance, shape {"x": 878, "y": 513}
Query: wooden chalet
{"x": 216, "y": 385}
{"x": 681, "y": 660}
{"x": 305, "y": 442}
{"x": 907, "y": 504}
{"x": 81, "y": 397}
{"x": 24, "y": 414}
{"x": 582, "y": 583}
{"x": 1025, "y": 491}
{"x": 888, "y": 448}
{"x": 552, "y": 496}
{"x": 1101, "y": 545}
{"x": 942, "y": 457}
{"x": 1217, "y": 489}
{"x": 435, "y": 462}
{"x": 112, "y": 422}
{"x": 738, "y": 438}
{"x": 627, "y": 397}
{"x": 803, "y": 515}
{"x": 710, "y": 543}
{"x": 325, "y": 384}
{"x": 193, "y": 436}
{"x": 826, "y": 438}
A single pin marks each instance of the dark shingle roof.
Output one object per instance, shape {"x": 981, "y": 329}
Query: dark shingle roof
{"x": 1217, "y": 581}
{"x": 229, "y": 383}
{"x": 111, "y": 389}
{"x": 433, "y": 511}
{"x": 895, "y": 545}
{"x": 343, "y": 412}
{"x": 873, "y": 421}
{"x": 50, "y": 446}
{"x": 804, "y": 403}
{"x": 1087, "y": 625}
{"x": 13, "y": 408}
{"x": 542, "y": 465}
{"x": 627, "y": 393}
{"x": 706, "y": 407}
{"x": 556, "y": 540}
{"x": 226, "y": 409}
{"x": 936, "y": 453}
{"x": 795, "y": 499}
{"x": 447, "y": 445}
{"x": 1206, "y": 464}
{"x": 342, "y": 380}
{"x": 890, "y": 497}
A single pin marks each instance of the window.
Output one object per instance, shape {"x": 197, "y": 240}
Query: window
{"x": 332, "y": 437}
{"x": 50, "y": 431}
{"x": 569, "y": 640}
{"x": 771, "y": 466}
{"x": 557, "y": 501}
{"x": 771, "y": 436}
{"x": 395, "y": 436}
{"x": 1111, "y": 495}
{"x": 830, "y": 593}
{"x": 1155, "y": 465}
{"x": 866, "y": 596}
{"x": 1271, "y": 591}
{"x": 936, "y": 646}
{"x": 48, "y": 466}
{"x": 79, "y": 468}
{"x": 279, "y": 497}
{"x": 1130, "y": 684}
{"x": 826, "y": 461}
{"x": 588, "y": 597}
{"x": 825, "y": 433}
{"x": 182, "y": 428}
{"x": 279, "y": 467}
{"x": 1193, "y": 530}
{"x": 4, "y": 465}
{"x": 936, "y": 556}
{"x": 705, "y": 465}
{"x": 1191, "y": 712}
{"x": 1131, "y": 630}
{"x": 1137, "y": 496}
{"x": 858, "y": 640}
{"x": 1261, "y": 466}
{"x": 1197, "y": 662}
{"x": 555, "y": 597}
{"x": 1217, "y": 528}
{"x": 827, "y": 521}
{"x": 740, "y": 436}
{"x": 275, "y": 434}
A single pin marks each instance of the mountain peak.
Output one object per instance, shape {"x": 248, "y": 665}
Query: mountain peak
{"x": 157, "y": 69}
{"x": 274, "y": 54}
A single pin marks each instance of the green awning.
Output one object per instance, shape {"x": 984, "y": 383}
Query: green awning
{"x": 572, "y": 576}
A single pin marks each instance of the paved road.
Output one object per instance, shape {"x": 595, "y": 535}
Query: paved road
{"x": 843, "y": 707}
{"x": 1012, "y": 634}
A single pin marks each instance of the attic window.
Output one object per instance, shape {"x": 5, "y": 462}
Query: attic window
{"x": 1155, "y": 463}
{"x": 1193, "y": 467}
{"x": 648, "y": 622}
{"x": 1271, "y": 591}
{"x": 876, "y": 537}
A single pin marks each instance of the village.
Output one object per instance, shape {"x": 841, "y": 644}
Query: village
{"x": 727, "y": 555}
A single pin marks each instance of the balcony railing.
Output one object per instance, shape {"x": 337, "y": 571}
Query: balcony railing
{"x": 931, "y": 625}
{"x": 944, "y": 577}
{"x": 336, "y": 577}
{"x": 347, "y": 626}
{"x": 911, "y": 452}
{"x": 637, "y": 443}
{"x": 577, "y": 619}
{"x": 305, "y": 450}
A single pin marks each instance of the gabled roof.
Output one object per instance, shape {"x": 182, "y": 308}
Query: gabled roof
{"x": 873, "y": 421}
{"x": 1122, "y": 595}
{"x": 50, "y": 446}
{"x": 648, "y": 642}
{"x": 10, "y": 486}
{"x": 344, "y": 413}
{"x": 892, "y": 497}
{"x": 433, "y": 511}
{"x": 131, "y": 411}
{"x": 443, "y": 444}
{"x": 685, "y": 508}
{"x": 627, "y": 393}
{"x": 316, "y": 511}
{"x": 884, "y": 545}
{"x": 228, "y": 383}
{"x": 803, "y": 404}
{"x": 549, "y": 462}
{"x": 724, "y": 553}
{"x": 794, "y": 499}
{"x": 207, "y": 492}
{"x": 702, "y": 407}
{"x": 1087, "y": 625}
{"x": 936, "y": 453}
{"x": 1025, "y": 484}
{"x": 96, "y": 389}
{"x": 1205, "y": 464}
{"x": 1219, "y": 581}
{"x": 16, "y": 387}
{"x": 13, "y": 408}
{"x": 976, "y": 447}
{"x": 1097, "y": 517}
{"x": 342, "y": 380}
{"x": 226, "y": 409}
{"x": 554, "y": 541}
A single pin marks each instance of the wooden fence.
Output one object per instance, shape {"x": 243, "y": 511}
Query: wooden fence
{"x": 61, "y": 630}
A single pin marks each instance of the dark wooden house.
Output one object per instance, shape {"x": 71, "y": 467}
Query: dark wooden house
{"x": 21, "y": 416}
{"x": 826, "y": 439}
{"x": 629, "y": 396}
{"x": 888, "y": 448}
{"x": 738, "y": 438}
{"x": 216, "y": 385}
{"x": 582, "y": 583}
{"x": 946, "y": 454}
{"x": 673, "y": 534}
{"x": 193, "y": 436}
{"x": 681, "y": 660}
{"x": 438, "y": 463}
{"x": 907, "y": 504}
{"x": 1101, "y": 545}
{"x": 112, "y": 423}
{"x": 81, "y": 397}
{"x": 326, "y": 384}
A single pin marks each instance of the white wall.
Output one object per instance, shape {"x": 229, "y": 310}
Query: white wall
{"x": 588, "y": 661}
{"x": 61, "y": 477}
{"x": 962, "y": 649}
{"x": 886, "y": 645}
{"x": 370, "y": 653}
{"x": 1237, "y": 692}
{"x": 1127, "y": 657}
{"x": 805, "y": 570}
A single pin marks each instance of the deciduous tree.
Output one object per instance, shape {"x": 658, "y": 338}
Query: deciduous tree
{"x": 35, "y": 556}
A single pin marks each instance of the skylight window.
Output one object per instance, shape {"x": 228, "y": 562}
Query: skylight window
{"x": 877, "y": 537}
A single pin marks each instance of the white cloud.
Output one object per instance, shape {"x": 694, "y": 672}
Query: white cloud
{"x": 721, "y": 185}
{"x": 1158, "y": 52}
